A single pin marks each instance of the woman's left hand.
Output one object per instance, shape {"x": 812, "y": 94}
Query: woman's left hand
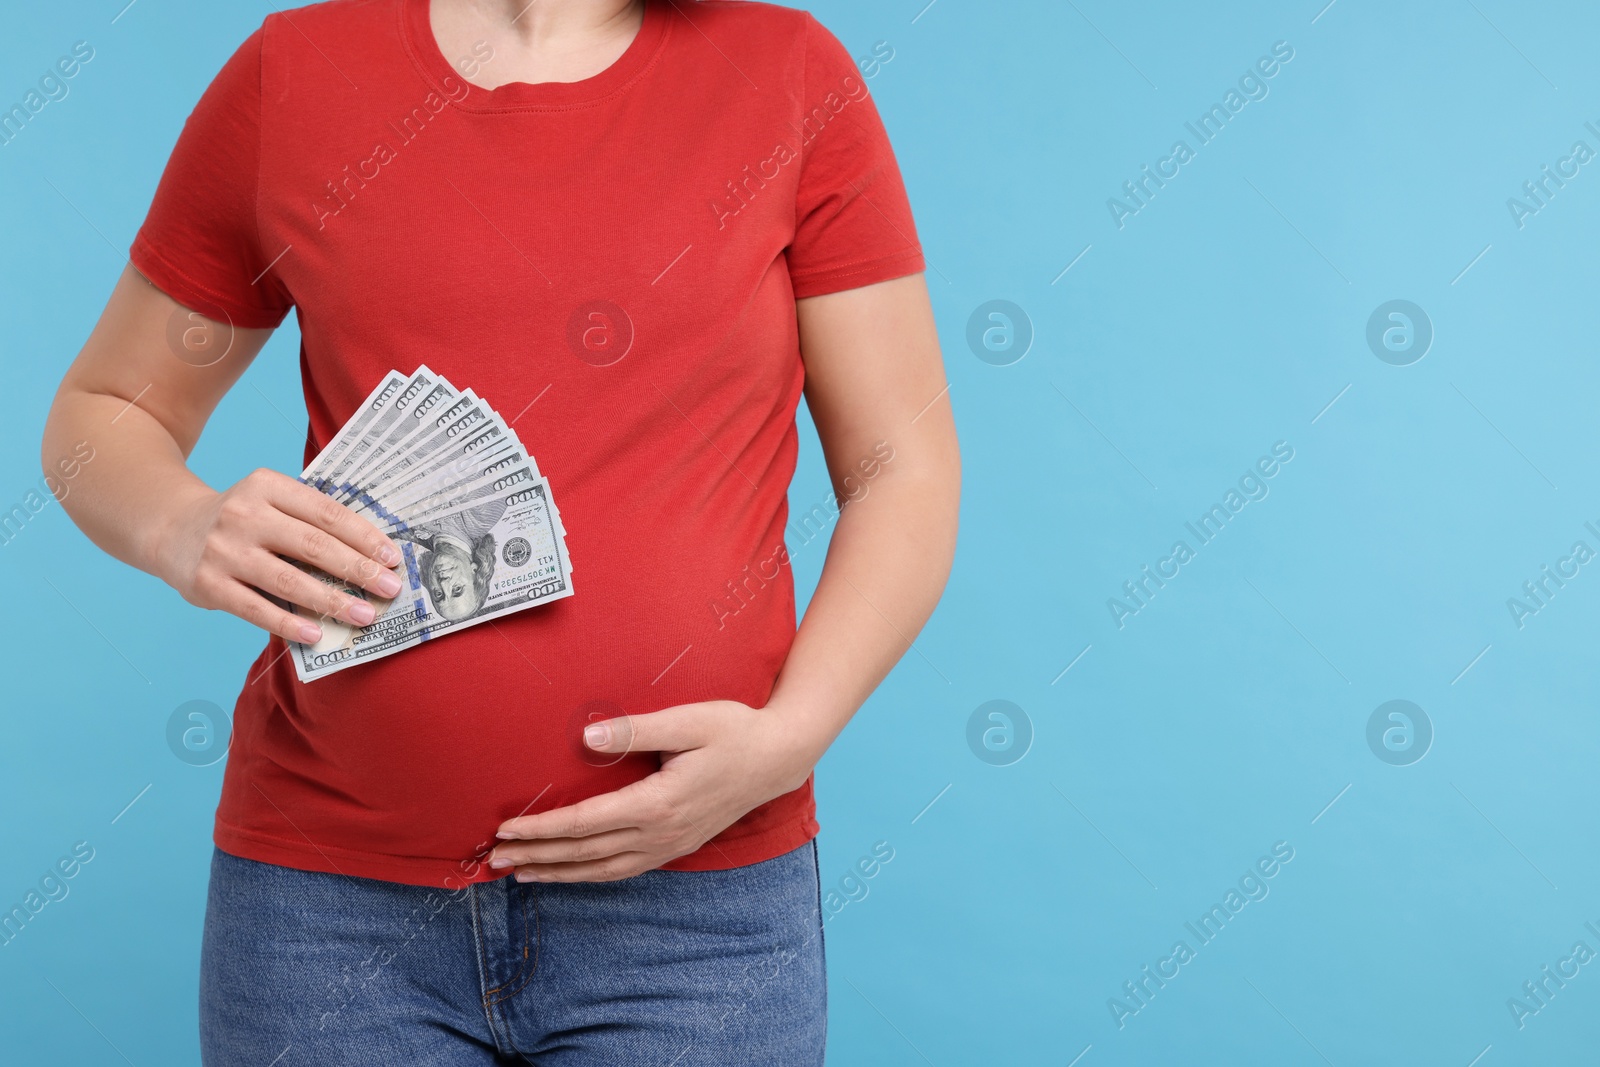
{"x": 720, "y": 759}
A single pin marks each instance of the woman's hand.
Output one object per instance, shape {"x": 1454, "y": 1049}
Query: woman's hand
{"x": 220, "y": 548}
{"x": 722, "y": 759}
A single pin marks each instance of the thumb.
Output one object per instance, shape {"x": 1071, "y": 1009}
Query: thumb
{"x": 668, "y": 730}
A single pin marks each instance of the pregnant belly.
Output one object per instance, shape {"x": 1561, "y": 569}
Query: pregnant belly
{"x": 419, "y": 757}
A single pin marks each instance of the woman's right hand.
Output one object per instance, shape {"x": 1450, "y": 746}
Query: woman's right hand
{"x": 223, "y": 550}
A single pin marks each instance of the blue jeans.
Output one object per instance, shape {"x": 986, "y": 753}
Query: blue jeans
{"x": 679, "y": 968}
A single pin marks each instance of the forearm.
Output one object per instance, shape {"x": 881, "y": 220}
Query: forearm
{"x": 886, "y": 568}
{"x": 136, "y": 481}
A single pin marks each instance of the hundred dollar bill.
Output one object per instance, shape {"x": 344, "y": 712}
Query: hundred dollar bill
{"x": 505, "y": 474}
{"x": 423, "y": 393}
{"x": 426, "y": 497}
{"x": 449, "y": 449}
{"x": 379, "y": 398}
{"x": 430, "y": 416}
{"x": 465, "y": 565}
{"x": 452, "y": 460}
{"x": 457, "y": 497}
{"x": 352, "y": 432}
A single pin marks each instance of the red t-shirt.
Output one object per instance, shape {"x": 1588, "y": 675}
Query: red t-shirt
{"x": 612, "y": 264}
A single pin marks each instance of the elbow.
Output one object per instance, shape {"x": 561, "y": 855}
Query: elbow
{"x": 952, "y": 524}
{"x": 53, "y": 441}
{"x": 49, "y": 440}
{"x": 935, "y": 502}
{"x": 63, "y": 465}
{"x": 929, "y": 480}
{"x": 950, "y": 497}
{"x": 61, "y": 458}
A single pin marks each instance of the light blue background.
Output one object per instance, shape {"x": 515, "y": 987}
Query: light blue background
{"x": 1224, "y": 717}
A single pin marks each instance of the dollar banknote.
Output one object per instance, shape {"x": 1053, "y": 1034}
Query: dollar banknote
{"x": 440, "y": 472}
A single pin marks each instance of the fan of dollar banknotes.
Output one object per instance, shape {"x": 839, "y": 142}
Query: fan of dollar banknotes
{"x": 439, "y": 471}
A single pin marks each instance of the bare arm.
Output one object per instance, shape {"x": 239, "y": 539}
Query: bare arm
{"x": 139, "y": 394}
{"x": 874, "y": 378}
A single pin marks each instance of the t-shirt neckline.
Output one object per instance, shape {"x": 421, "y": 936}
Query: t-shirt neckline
{"x": 417, "y": 33}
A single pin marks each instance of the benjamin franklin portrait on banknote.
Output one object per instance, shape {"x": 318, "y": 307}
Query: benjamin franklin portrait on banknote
{"x": 457, "y": 558}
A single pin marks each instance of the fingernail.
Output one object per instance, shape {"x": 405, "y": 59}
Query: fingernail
{"x": 388, "y": 585}
{"x": 388, "y": 555}
{"x": 310, "y": 634}
{"x": 362, "y": 613}
{"x": 596, "y": 735}
{"x": 505, "y": 835}
{"x": 525, "y": 876}
{"x": 499, "y": 862}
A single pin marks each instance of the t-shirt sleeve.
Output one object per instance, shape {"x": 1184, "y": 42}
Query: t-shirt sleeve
{"x": 200, "y": 243}
{"x": 853, "y": 224}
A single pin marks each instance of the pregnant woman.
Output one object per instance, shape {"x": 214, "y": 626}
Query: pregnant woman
{"x": 584, "y": 833}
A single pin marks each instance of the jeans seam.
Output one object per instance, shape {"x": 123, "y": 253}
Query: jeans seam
{"x": 483, "y": 969}
{"x": 822, "y": 934}
{"x": 533, "y": 966}
{"x": 526, "y": 971}
{"x": 816, "y": 871}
